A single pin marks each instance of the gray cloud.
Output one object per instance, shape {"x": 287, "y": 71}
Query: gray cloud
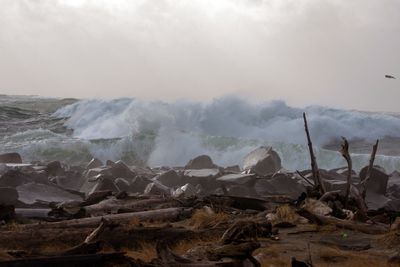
{"x": 303, "y": 51}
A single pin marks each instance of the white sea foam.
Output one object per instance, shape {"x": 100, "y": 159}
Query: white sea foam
{"x": 226, "y": 129}
{"x": 161, "y": 133}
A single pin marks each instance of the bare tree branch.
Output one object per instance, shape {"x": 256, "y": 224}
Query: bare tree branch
{"x": 369, "y": 171}
{"x": 314, "y": 167}
{"x": 346, "y": 155}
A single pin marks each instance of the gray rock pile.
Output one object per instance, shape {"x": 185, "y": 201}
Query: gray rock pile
{"x": 262, "y": 175}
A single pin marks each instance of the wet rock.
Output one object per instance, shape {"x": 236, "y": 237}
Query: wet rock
{"x": 3, "y": 168}
{"x": 54, "y": 168}
{"x": 71, "y": 180}
{"x": 232, "y": 169}
{"x": 96, "y": 197}
{"x": 122, "y": 184}
{"x": 94, "y": 163}
{"x": 7, "y": 213}
{"x": 156, "y": 188}
{"x": 10, "y": 158}
{"x": 187, "y": 190}
{"x": 238, "y": 178}
{"x": 280, "y": 185}
{"x": 104, "y": 184}
{"x": 110, "y": 163}
{"x": 13, "y": 178}
{"x": 204, "y": 177}
{"x": 200, "y": 162}
{"x": 240, "y": 190}
{"x": 378, "y": 181}
{"x": 96, "y": 171}
{"x": 169, "y": 178}
{"x": 138, "y": 184}
{"x": 393, "y": 188}
{"x": 120, "y": 169}
{"x": 8, "y": 196}
{"x": 262, "y": 161}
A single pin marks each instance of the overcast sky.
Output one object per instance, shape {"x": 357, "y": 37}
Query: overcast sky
{"x": 332, "y": 52}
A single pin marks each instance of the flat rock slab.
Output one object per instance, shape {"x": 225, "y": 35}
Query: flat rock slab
{"x": 202, "y": 173}
{"x": 355, "y": 242}
{"x": 31, "y": 192}
{"x": 238, "y": 178}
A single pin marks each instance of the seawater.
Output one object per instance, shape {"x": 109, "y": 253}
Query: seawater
{"x": 158, "y": 133}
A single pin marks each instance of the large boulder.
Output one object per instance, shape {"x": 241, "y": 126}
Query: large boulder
{"x": 8, "y": 196}
{"x": 156, "y": 188}
{"x": 169, "y": 178}
{"x": 13, "y": 178}
{"x": 104, "y": 184}
{"x": 138, "y": 184}
{"x": 94, "y": 163}
{"x": 262, "y": 161}
{"x": 378, "y": 181}
{"x": 122, "y": 184}
{"x": 54, "y": 168}
{"x": 200, "y": 162}
{"x": 187, "y": 190}
{"x": 10, "y": 158}
{"x": 280, "y": 185}
{"x": 120, "y": 169}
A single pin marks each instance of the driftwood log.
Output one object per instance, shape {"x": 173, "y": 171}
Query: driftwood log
{"x": 352, "y": 225}
{"x": 110, "y": 259}
{"x": 169, "y": 214}
{"x": 314, "y": 167}
{"x": 345, "y": 153}
{"x": 369, "y": 171}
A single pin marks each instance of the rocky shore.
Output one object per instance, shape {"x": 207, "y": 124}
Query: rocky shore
{"x": 201, "y": 214}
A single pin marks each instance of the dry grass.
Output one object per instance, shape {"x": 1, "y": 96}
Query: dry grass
{"x": 5, "y": 256}
{"x": 148, "y": 223}
{"x": 274, "y": 262}
{"x": 184, "y": 245}
{"x": 203, "y": 219}
{"x": 337, "y": 257}
{"x": 286, "y": 213}
{"x": 391, "y": 239}
{"x": 146, "y": 252}
{"x": 13, "y": 226}
{"x": 327, "y": 227}
{"x": 268, "y": 252}
{"x": 269, "y": 257}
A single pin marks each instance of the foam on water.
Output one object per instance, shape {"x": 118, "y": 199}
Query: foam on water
{"x": 161, "y": 133}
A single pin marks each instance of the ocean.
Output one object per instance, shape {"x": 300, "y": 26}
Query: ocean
{"x": 157, "y": 133}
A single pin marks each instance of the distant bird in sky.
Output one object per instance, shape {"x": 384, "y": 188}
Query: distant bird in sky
{"x": 390, "y": 77}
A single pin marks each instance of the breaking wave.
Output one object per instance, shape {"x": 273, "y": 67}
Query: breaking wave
{"x": 170, "y": 133}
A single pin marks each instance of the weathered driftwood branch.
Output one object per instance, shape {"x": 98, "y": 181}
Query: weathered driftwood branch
{"x": 170, "y": 214}
{"x": 328, "y": 195}
{"x": 345, "y": 153}
{"x": 73, "y": 260}
{"x": 314, "y": 167}
{"x": 352, "y": 225}
{"x": 305, "y": 179}
{"x": 369, "y": 171}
